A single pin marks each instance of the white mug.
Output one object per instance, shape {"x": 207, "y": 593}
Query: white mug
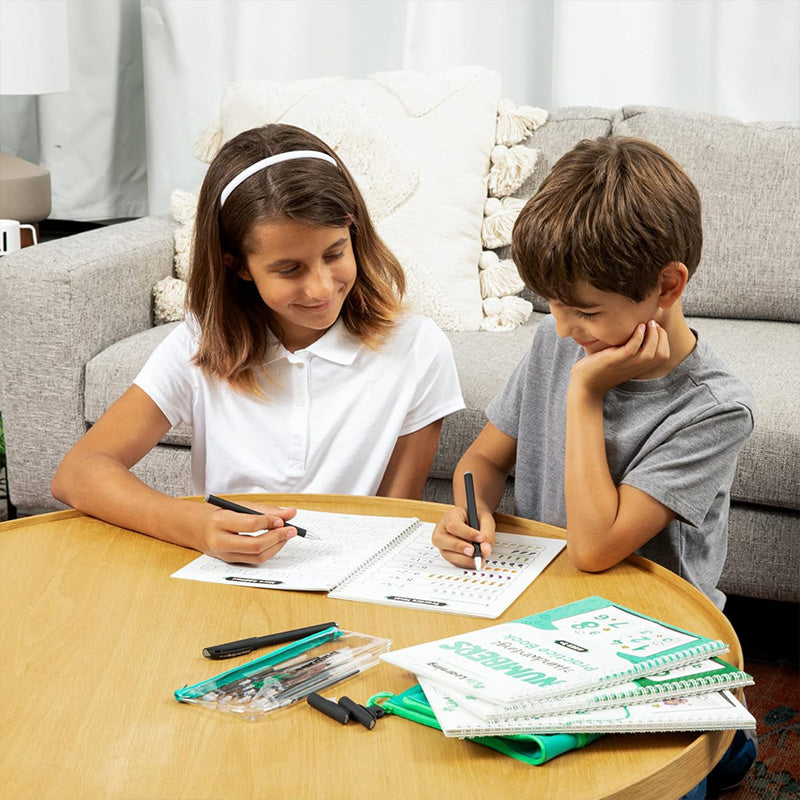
{"x": 10, "y": 238}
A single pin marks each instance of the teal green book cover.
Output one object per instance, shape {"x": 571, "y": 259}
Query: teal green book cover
{"x": 580, "y": 647}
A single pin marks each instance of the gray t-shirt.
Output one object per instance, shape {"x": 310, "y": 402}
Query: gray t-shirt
{"x": 676, "y": 438}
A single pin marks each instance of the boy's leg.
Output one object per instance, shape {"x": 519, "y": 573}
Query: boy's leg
{"x": 698, "y": 793}
{"x": 733, "y": 767}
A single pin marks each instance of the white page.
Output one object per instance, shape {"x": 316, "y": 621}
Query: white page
{"x": 344, "y": 542}
{"x": 416, "y": 575}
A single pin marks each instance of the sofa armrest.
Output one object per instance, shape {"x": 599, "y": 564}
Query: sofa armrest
{"x": 61, "y": 303}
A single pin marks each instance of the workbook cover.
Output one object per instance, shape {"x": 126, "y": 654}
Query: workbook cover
{"x": 578, "y": 647}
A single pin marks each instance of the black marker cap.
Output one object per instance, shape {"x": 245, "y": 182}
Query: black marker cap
{"x": 358, "y": 713}
{"x": 329, "y": 708}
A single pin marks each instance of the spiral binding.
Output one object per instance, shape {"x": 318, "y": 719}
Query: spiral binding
{"x": 521, "y": 706}
{"x": 370, "y": 562}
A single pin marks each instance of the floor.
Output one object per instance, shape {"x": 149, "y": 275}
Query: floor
{"x": 770, "y": 636}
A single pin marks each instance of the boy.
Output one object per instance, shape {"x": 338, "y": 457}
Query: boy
{"x": 623, "y": 425}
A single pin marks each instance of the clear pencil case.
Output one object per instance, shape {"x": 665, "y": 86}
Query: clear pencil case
{"x": 288, "y": 674}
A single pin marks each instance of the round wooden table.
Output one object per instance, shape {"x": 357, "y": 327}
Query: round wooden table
{"x": 95, "y": 636}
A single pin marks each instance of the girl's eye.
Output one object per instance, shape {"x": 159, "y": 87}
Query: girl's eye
{"x": 289, "y": 270}
{"x": 334, "y": 256}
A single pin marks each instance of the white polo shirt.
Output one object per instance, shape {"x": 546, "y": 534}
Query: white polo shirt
{"x": 332, "y": 414}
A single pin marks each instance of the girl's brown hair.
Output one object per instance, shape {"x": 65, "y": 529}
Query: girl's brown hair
{"x": 612, "y": 212}
{"x": 234, "y": 321}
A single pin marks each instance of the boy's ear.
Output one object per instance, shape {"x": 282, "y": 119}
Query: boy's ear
{"x": 232, "y": 263}
{"x": 671, "y": 282}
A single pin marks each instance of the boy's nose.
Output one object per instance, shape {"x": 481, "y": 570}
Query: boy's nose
{"x": 563, "y": 325}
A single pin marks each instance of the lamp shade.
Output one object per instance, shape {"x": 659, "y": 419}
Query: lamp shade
{"x": 33, "y": 46}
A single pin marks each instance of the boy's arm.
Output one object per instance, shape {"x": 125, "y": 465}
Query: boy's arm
{"x": 489, "y": 458}
{"x": 606, "y": 523}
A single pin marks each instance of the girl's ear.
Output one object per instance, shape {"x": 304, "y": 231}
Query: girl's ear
{"x": 233, "y": 264}
{"x": 671, "y": 282}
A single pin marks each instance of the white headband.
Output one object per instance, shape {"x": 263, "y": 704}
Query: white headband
{"x": 268, "y": 162}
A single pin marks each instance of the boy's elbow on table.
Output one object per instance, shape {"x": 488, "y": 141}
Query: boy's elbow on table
{"x": 590, "y": 558}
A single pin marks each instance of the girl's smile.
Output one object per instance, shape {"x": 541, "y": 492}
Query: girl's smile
{"x": 303, "y": 273}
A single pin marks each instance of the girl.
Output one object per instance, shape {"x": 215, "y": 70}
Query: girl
{"x": 295, "y": 366}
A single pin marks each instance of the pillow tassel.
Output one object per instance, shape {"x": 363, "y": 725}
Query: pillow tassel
{"x": 505, "y": 313}
{"x": 511, "y": 167}
{"x": 515, "y": 123}
{"x": 183, "y": 251}
{"x": 500, "y": 279}
{"x": 183, "y": 206}
{"x": 499, "y": 219}
{"x": 209, "y": 143}
{"x": 168, "y": 296}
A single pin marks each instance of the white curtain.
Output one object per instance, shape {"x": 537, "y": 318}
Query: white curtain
{"x": 147, "y": 76}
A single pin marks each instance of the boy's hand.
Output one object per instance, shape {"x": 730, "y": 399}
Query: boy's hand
{"x": 645, "y": 351}
{"x": 233, "y": 536}
{"x": 454, "y": 537}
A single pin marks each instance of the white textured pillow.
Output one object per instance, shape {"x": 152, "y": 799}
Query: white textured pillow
{"x": 419, "y": 148}
{"x": 423, "y": 149}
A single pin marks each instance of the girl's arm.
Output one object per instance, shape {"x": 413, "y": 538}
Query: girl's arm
{"x": 410, "y": 463}
{"x": 489, "y": 458}
{"x": 95, "y": 478}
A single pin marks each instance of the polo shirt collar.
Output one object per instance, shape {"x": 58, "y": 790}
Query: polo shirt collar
{"x": 337, "y": 344}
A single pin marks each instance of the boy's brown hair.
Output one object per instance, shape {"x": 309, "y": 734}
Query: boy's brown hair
{"x": 234, "y": 321}
{"x": 612, "y": 212}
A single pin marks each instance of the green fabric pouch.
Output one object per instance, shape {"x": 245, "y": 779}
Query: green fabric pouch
{"x": 528, "y": 747}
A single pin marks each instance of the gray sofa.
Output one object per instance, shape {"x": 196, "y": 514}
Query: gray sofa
{"x": 76, "y": 325}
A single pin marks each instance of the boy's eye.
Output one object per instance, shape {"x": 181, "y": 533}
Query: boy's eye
{"x": 289, "y": 270}
{"x": 585, "y": 314}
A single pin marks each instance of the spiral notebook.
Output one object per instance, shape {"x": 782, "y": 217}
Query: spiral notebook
{"x": 390, "y": 561}
{"x": 579, "y": 647}
{"x": 714, "y": 711}
{"x": 686, "y": 680}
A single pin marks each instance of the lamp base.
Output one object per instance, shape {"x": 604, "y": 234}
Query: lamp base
{"x": 24, "y": 190}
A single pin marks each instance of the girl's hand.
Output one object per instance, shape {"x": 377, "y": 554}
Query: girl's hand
{"x": 234, "y": 537}
{"x": 645, "y": 351}
{"x": 454, "y": 537}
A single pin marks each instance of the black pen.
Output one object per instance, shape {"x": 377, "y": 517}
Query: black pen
{"x": 221, "y": 502}
{"x": 244, "y": 646}
{"x": 472, "y": 516}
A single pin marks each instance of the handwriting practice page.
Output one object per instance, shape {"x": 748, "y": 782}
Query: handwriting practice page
{"x": 417, "y": 576}
{"x": 344, "y": 542}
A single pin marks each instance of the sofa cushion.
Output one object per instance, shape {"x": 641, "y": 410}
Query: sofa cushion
{"x": 764, "y": 354}
{"x": 748, "y": 176}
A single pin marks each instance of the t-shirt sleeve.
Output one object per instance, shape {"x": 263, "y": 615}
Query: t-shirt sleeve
{"x": 688, "y": 470}
{"x": 168, "y": 376}
{"x": 504, "y": 411}
{"x": 438, "y": 391}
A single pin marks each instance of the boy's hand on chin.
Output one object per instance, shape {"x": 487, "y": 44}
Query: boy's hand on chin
{"x": 643, "y": 354}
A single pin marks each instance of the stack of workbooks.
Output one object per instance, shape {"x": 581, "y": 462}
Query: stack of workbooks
{"x": 592, "y": 666}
